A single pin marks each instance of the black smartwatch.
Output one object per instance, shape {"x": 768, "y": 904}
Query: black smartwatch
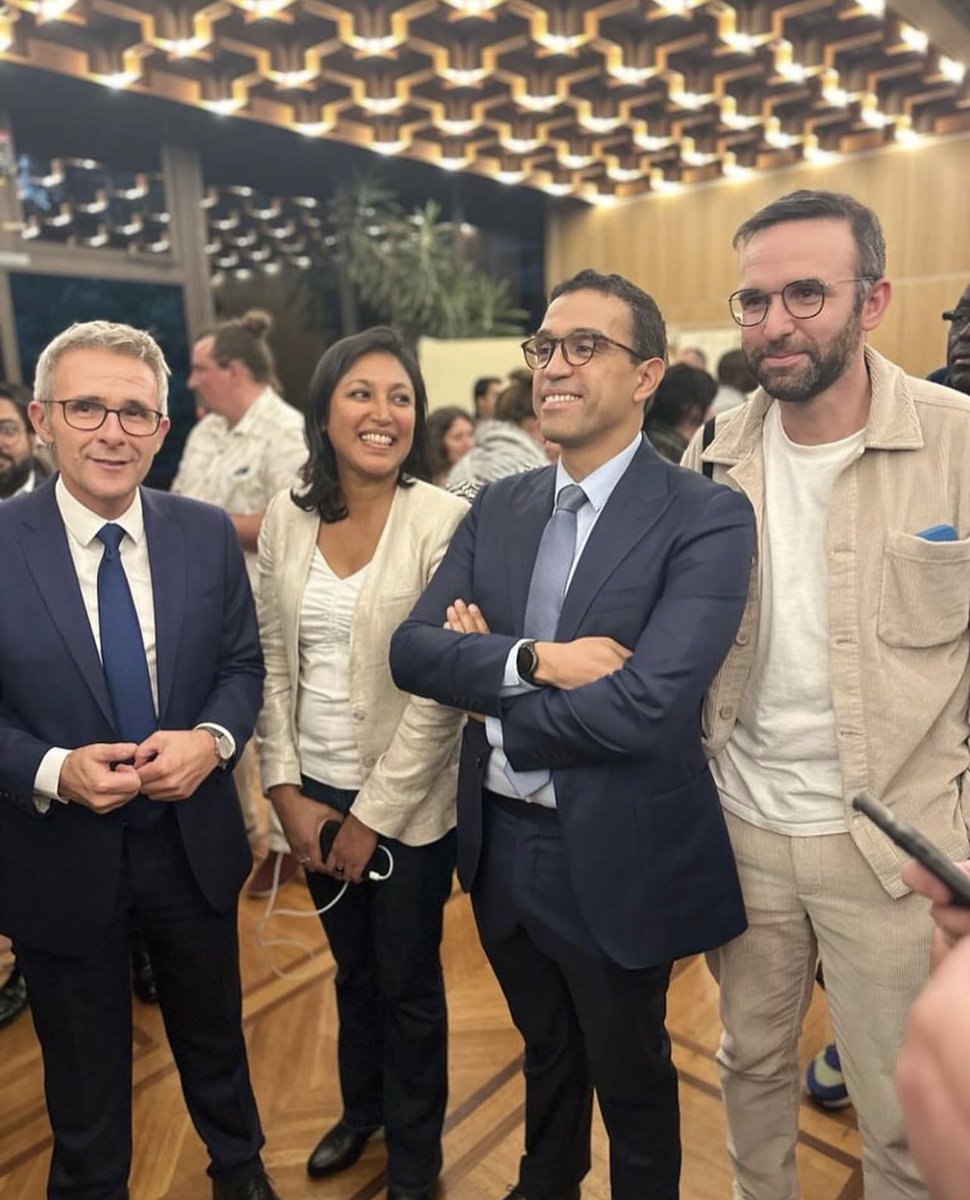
{"x": 527, "y": 661}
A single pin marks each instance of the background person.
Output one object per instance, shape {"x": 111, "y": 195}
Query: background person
{"x": 20, "y": 470}
{"x": 735, "y": 382}
{"x": 248, "y": 445}
{"x": 505, "y": 445}
{"x": 451, "y": 434}
{"x": 342, "y": 561}
{"x": 679, "y": 407}
{"x": 484, "y": 395}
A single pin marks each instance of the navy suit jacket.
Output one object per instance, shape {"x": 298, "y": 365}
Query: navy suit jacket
{"x": 59, "y": 871}
{"x": 664, "y": 572}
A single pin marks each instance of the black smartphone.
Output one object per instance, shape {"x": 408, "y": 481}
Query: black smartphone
{"x": 381, "y": 864}
{"x": 328, "y": 832}
{"x": 915, "y": 844}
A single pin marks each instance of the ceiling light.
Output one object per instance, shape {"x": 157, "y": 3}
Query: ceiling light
{"x": 457, "y": 128}
{"x": 537, "y": 103}
{"x": 952, "y": 70}
{"x": 389, "y": 148}
{"x": 601, "y": 124}
{"x": 520, "y": 145}
{"x": 914, "y": 38}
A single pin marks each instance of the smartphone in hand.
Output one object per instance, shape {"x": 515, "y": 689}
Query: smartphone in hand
{"x": 916, "y": 845}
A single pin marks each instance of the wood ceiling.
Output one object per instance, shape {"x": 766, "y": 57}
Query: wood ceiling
{"x": 583, "y": 99}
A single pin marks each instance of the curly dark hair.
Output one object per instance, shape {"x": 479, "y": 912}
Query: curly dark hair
{"x": 320, "y": 476}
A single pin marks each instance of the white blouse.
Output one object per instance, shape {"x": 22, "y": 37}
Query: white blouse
{"x": 325, "y": 725}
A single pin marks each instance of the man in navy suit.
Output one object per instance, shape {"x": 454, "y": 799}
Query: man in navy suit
{"x": 130, "y": 679}
{"x": 585, "y": 622}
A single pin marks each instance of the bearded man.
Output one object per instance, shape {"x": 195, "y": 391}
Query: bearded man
{"x": 850, "y": 672}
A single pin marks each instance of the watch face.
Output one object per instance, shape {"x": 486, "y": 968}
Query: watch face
{"x": 525, "y": 660}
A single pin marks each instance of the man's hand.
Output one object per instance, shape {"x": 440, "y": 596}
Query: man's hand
{"x": 100, "y": 776}
{"x": 173, "y": 762}
{"x": 465, "y": 618}
{"x": 568, "y": 665}
{"x": 351, "y": 850}
{"x": 952, "y": 920}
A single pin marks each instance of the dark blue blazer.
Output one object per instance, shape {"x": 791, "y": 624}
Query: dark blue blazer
{"x": 664, "y": 572}
{"x": 59, "y": 872}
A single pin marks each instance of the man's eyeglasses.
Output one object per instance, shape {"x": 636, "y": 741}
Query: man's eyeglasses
{"x": 802, "y": 298}
{"x": 577, "y": 348}
{"x": 137, "y": 420}
{"x": 958, "y": 317}
{"x": 12, "y": 429}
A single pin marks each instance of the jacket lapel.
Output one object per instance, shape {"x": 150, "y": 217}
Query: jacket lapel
{"x": 532, "y": 510}
{"x": 635, "y": 504}
{"x": 166, "y": 554}
{"x": 49, "y": 562}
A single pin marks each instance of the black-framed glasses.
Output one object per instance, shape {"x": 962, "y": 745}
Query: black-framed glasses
{"x": 137, "y": 420}
{"x": 577, "y": 348}
{"x": 958, "y": 317}
{"x": 802, "y": 298}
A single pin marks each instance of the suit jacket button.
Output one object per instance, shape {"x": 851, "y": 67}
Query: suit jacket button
{"x": 358, "y": 714}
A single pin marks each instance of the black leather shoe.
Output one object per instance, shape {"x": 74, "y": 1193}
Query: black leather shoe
{"x": 338, "y": 1149}
{"x": 142, "y": 975}
{"x": 517, "y": 1194}
{"x": 13, "y": 998}
{"x": 257, "y": 1187}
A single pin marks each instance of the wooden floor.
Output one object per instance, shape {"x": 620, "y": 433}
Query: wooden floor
{"x": 290, "y": 1025}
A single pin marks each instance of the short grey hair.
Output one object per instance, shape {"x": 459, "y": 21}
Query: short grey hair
{"x": 102, "y": 335}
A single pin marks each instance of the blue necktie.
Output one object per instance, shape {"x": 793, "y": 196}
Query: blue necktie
{"x": 125, "y": 665}
{"x": 547, "y": 591}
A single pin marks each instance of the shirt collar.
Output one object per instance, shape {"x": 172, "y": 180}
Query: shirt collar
{"x": 83, "y": 525}
{"x": 599, "y": 484}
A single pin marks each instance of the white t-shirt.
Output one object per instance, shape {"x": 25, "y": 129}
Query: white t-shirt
{"x": 327, "y": 745}
{"x": 780, "y": 768}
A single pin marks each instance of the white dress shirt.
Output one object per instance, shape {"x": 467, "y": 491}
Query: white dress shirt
{"x": 598, "y": 487}
{"x": 82, "y": 526}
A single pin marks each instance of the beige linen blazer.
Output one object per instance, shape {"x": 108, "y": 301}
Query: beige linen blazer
{"x": 408, "y": 747}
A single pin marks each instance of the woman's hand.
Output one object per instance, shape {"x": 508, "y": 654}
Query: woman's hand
{"x": 352, "y": 850}
{"x": 301, "y": 819}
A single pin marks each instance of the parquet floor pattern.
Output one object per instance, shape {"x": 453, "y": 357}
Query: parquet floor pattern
{"x": 290, "y": 1027}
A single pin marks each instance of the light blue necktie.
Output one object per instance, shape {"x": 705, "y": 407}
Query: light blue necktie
{"x": 125, "y": 665}
{"x": 547, "y": 591}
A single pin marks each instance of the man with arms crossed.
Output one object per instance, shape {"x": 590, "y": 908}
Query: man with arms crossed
{"x": 130, "y": 678}
{"x": 851, "y": 672}
{"x": 588, "y": 606}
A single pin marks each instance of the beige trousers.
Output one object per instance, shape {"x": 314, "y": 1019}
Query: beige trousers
{"x": 808, "y": 897}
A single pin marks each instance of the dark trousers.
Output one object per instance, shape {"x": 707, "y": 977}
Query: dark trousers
{"x": 82, "y": 1013}
{"x": 587, "y": 1022}
{"x": 392, "y": 1045}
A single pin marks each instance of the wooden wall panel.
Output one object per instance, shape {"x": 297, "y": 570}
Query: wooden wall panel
{"x": 678, "y": 246}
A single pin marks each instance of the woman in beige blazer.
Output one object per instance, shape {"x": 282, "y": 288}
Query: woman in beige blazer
{"x": 341, "y": 563}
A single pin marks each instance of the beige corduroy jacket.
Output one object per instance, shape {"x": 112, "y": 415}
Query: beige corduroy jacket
{"x": 899, "y": 607}
{"x": 408, "y": 746}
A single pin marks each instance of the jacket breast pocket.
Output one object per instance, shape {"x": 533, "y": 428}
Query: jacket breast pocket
{"x": 925, "y": 597}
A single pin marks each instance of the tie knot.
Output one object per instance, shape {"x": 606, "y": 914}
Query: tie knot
{"x": 571, "y": 498}
{"x": 110, "y": 536}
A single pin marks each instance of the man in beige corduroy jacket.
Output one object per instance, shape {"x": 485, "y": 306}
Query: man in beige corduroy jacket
{"x": 850, "y": 672}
